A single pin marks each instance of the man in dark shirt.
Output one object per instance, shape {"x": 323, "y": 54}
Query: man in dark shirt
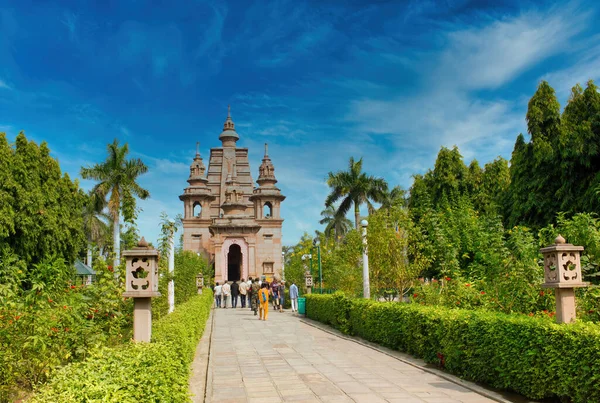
{"x": 235, "y": 292}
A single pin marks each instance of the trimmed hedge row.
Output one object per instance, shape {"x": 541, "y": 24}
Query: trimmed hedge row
{"x": 137, "y": 372}
{"x": 532, "y": 356}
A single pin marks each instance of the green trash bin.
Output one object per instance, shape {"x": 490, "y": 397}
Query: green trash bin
{"x": 302, "y": 306}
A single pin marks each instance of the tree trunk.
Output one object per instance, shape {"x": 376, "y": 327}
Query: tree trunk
{"x": 89, "y": 255}
{"x": 357, "y": 215}
{"x": 116, "y": 245}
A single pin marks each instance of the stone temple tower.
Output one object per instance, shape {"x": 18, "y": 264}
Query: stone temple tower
{"x": 234, "y": 224}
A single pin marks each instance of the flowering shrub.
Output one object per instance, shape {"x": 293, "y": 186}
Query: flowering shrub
{"x": 45, "y": 321}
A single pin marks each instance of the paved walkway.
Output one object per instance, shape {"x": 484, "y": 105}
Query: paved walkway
{"x": 284, "y": 359}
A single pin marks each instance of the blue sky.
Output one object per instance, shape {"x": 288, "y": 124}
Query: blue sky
{"x": 320, "y": 81}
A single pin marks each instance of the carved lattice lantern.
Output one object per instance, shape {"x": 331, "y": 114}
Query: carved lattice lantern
{"x": 308, "y": 280}
{"x": 562, "y": 271}
{"x": 199, "y": 282}
{"x": 141, "y": 266}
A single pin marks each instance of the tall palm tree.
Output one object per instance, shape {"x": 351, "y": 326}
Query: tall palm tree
{"x": 95, "y": 222}
{"x": 117, "y": 176}
{"x": 337, "y": 225}
{"x": 354, "y": 187}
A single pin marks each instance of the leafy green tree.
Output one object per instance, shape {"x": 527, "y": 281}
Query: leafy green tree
{"x": 354, "y": 187}
{"x": 448, "y": 179}
{"x": 40, "y": 209}
{"x": 118, "y": 176}
{"x": 336, "y": 225}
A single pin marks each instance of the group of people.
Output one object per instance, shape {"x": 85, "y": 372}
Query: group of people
{"x": 255, "y": 294}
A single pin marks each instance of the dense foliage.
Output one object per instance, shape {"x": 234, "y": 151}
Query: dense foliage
{"x": 138, "y": 372}
{"x": 187, "y": 266}
{"x": 40, "y": 208}
{"x": 53, "y": 322}
{"x": 553, "y": 360}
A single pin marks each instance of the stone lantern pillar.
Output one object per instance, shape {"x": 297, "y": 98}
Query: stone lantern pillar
{"x": 142, "y": 285}
{"x": 562, "y": 271}
{"x": 199, "y": 282}
{"x": 308, "y": 281}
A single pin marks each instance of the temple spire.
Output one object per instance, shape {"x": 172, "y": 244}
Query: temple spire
{"x": 266, "y": 150}
{"x": 229, "y": 136}
{"x": 197, "y": 148}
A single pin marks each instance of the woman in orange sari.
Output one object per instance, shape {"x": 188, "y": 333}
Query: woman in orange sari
{"x": 263, "y": 299}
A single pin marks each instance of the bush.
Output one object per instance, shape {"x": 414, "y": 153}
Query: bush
{"x": 531, "y": 355}
{"x": 137, "y": 372}
{"x": 52, "y": 322}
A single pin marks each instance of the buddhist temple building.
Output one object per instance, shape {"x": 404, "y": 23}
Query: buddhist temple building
{"x": 234, "y": 223}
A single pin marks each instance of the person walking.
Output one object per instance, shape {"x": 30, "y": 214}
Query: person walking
{"x": 294, "y": 296}
{"x": 243, "y": 293}
{"x": 235, "y": 292}
{"x": 249, "y": 299}
{"x": 218, "y": 292}
{"x": 255, "y": 290}
{"x": 275, "y": 294}
{"x": 281, "y": 295}
{"x": 264, "y": 302}
{"x": 226, "y": 294}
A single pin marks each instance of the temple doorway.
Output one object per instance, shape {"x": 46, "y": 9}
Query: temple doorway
{"x": 234, "y": 263}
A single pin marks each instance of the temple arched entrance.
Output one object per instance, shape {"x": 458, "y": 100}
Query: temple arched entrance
{"x": 234, "y": 263}
{"x": 234, "y": 260}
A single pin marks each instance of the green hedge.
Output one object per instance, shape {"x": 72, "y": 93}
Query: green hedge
{"x": 532, "y": 356}
{"x": 137, "y": 372}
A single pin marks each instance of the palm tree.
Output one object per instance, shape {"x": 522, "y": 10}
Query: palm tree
{"x": 354, "y": 187}
{"x": 95, "y": 222}
{"x": 394, "y": 198}
{"x": 337, "y": 225}
{"x": 117, "y": 176}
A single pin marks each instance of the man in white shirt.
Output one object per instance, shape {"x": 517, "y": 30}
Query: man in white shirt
{"x": 218, "y": 292}
{"x": 243, "y": 292}
{"x": 226, "y": 294}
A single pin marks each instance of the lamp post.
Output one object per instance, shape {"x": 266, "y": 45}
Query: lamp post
{"x": 317, "y": 243}
{"x": 366, "y": 286}
{"x": 171, "y": 289}
{"x": 308, "y": 274}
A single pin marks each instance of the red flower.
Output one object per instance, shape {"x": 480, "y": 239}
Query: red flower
{"x": 415, "y": 295}
{"x": 54, "y": 329}
{"x": 545, "y": 311}
{"x": 457, "y": 302}
{"x": 467, "y": 285}
{"x": 66, "y": 329}
{"x": 542, "y": 293}
{"x": 49, "y": 300}
{"x": 110, "y": 268}
{"x": 17, "y": 318}
{"x": 482, "y": 292}
{"x": 73, "y": 287}
{"x": 448, "y": 278}
{"x": 530, "y": 313}
{"x": 65, "y": 307}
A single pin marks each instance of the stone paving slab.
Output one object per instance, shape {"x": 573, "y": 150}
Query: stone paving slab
{"x": 286, "y": 360}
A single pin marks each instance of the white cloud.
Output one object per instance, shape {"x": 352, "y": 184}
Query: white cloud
{"x": 4, "y": 85}
{"x": 491, "y": 56}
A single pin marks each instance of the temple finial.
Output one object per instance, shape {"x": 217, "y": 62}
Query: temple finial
{"x": 228, "y": 111}
{"x": 266, "y": 150}
{"x": 197, "y": 148}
